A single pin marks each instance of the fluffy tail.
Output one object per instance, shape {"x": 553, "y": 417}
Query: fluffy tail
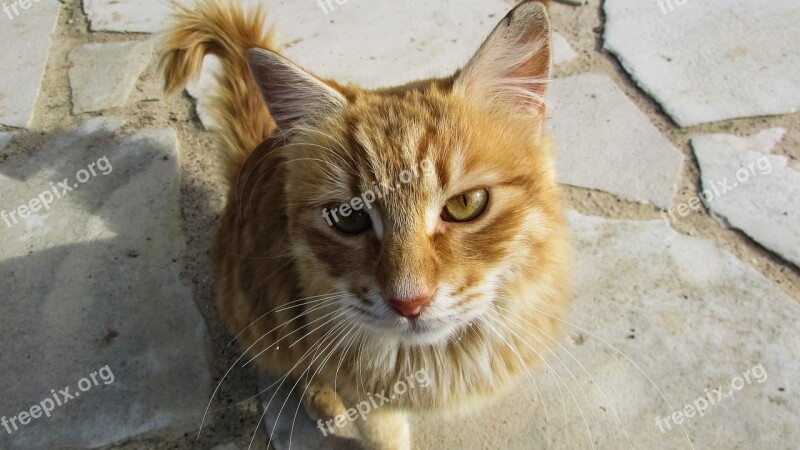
{"x": 221, "y": 28}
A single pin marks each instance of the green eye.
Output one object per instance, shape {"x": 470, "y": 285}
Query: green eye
{"x": 356, "y": 222}
{"x": 466, "y": 206}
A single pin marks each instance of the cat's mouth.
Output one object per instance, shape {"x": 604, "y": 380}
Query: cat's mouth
{"x": 412, "y": 331}
{"x": 421, "y": 332}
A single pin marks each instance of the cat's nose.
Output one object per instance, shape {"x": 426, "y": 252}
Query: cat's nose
{"x": 410, "y": 307}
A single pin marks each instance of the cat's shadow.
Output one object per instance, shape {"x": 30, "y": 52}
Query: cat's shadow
{"x": 293, "y": 423}
{"x": 110, "y": 274}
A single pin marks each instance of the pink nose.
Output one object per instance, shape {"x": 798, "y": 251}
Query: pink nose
{"x": 409, "y": 307}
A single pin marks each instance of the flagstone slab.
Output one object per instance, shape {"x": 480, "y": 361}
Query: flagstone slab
{"x": 753, "y": 190}
{"x": 562, "y": 51}
{"x": 367, "y": 53}
{"x": 102, "y": 76}
{"x": 26, "y": 42}
{"x": 127, "y": 16}
{"x": 90, "y": 270}
{"x": 4, "y": 139}
{"x": 605, "y": 142}
{"x": 706, "y": 61}
{"x": 202, "y": 90}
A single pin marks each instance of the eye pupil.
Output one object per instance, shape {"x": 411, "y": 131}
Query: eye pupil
{"x": 356, "y": 222}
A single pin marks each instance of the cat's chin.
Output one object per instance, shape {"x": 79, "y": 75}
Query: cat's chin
{"x": 425, "y": 338}
{"x": 416, "y": 333}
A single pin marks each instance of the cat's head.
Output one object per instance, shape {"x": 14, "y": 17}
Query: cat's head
{"x": 423, "y": 204}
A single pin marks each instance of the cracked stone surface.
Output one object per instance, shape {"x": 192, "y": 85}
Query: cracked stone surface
{"x": 751, "y": 189}
{"x": 133, "y": 16}
{"x": 451, "y": 33}
{"x": 712, "y": 60}
{"x": 357, "y": 55}
{"x": 26, "y": 43}
{"x": 605, "y": 142}
{"x": 102, "y": 76}
{"x": 95, "y": 281}
{"x": 644, "y": 295}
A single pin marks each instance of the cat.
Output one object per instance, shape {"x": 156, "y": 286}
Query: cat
{"x": 463, "y": 272}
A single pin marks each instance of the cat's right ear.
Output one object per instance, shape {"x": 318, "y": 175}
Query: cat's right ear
{"x": 511, "y": 70}
{"x": 292, "y": 95}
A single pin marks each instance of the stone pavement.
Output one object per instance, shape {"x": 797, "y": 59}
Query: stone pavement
{"x": 678, "y": 144}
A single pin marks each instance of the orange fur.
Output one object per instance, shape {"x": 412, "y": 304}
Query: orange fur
{"x": 216, "y": 28}
{"x": 309, "y": 301}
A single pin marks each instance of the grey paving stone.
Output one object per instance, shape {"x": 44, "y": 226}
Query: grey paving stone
{"x": 4, "y": 139}
{"x": 202, "y": 90}
{"x": 26, "y": 42}
{"x": 102, "y": 76}
{"x": 372, "y": 56}
{"x": 562, "y": 51}
{"x": 94, "y": 280}
{"x": 710, "y": 61}
{"x": 605, "y": 142}
{"x": 133, "y": 16}
{"x": 655, "y": 313}
{"x": 751, "y": 189}
{"x": 393, "y": 44}
{"x": 359, "y": 55}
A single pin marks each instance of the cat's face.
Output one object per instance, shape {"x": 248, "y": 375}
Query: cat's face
{"x": 447, "y": 185}
{"x": 471, "y": 196}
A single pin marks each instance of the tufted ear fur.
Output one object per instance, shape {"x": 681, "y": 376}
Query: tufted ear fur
{"x": 293, "y": 96}
{"x": 511, "y": 70}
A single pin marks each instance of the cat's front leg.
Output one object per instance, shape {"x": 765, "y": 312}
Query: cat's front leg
{"x": 385, "y": 429}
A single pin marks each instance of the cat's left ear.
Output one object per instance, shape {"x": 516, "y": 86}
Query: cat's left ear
{"x": 293, "y": 96}
{"x": 511, "y": 70}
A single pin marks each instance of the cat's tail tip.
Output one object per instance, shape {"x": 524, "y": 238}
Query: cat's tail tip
{"x": 217, "y": 27}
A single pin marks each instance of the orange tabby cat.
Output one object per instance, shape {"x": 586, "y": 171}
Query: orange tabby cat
{"x": 333, "y": 272}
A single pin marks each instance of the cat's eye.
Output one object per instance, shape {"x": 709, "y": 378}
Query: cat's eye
{"x": 356, "y": 222}
{"x": 466, "y": 206}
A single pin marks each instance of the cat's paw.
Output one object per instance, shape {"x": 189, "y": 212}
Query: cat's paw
{"x": 385, "y": 430}
{"x": 322, "y": 402}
